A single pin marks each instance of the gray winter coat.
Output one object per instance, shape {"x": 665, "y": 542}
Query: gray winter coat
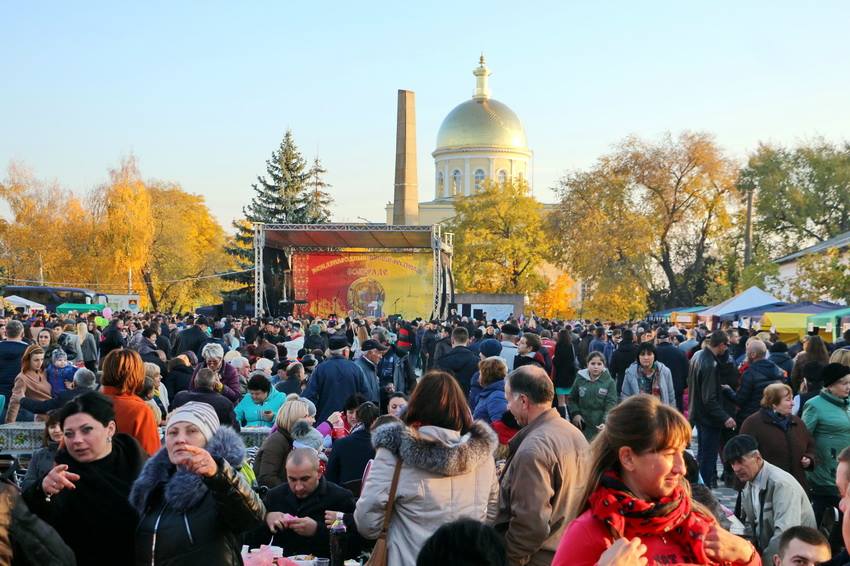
{"x": 444, "y": 476}
{"x": 665, "y": 382}
{"x": 40, "y": 465}
{"x": 784, "y": 504}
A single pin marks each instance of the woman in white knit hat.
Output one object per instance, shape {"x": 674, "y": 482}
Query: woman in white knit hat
{"x": 193, "y": 503}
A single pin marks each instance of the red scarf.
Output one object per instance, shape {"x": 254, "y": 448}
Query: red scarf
{"x": 670, "y": 517}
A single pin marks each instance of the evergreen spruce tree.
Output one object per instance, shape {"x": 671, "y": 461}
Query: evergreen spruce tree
{"x": 282, "y": 196}
{"x": 315, "y": 205}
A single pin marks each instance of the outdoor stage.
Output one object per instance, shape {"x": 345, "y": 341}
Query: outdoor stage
{"x": 361, "y": 269}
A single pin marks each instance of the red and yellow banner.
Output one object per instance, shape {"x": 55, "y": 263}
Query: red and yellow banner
{"x": 369, "y": 284}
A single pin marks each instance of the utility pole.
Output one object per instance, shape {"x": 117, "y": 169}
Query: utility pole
{"x": 748, "y": 229}
{"x": 129, "y": 280}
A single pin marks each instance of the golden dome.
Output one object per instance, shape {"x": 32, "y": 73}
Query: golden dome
{"x": 481, "y": 122}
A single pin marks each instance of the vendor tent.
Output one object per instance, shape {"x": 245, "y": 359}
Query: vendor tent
{"x": 78, "y": 307}
{"x": 22, "y": 303}
{"x": 790, "y": 326}
{"x": 749, "y": 299}
{"x": 828, "y": 323}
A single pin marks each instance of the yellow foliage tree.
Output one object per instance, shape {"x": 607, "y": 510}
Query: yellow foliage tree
{"x": 499, "y": 242}
{"x": 158, "y": 236}
{"x": 556, "y": 300}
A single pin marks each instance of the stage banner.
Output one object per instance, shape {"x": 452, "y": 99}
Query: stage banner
{"x": 367, "y": 283}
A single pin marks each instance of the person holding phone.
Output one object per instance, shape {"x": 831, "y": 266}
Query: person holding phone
{"x": 260, "y": 405}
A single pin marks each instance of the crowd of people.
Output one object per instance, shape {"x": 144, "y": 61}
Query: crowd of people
{"x": 468, "y": 442}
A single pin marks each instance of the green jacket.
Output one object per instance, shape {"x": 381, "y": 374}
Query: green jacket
{"x": 592, "y": 400}
{"x": 828, "y": 419}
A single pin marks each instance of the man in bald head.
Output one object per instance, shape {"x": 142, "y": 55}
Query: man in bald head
{"x": 296, "y": 509}
{"x": 546, "y": 467}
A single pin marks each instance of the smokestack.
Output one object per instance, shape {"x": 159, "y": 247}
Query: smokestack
{"x": 406, "y": 201}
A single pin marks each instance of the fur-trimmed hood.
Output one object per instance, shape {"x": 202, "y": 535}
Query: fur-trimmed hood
{"x": 438, "y": 450}
{"x": 184, "y": 490}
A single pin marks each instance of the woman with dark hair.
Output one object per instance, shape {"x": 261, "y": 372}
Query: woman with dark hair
{"x": 648, "y": 375}
{"x": 42, "y": 459}
{"x": 261, "y": 404}
{"x": 84, "y": 497}
{"x": 123, "y": 377}
{"x": 446, "y": 469}
{"x": 564, "y": 366}
{"x": 814, "y": 350}
{"x": 637, "y": 489}
{"x": 178, "y": 375}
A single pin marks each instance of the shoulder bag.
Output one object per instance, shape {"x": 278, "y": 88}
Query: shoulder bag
{"x": 379, "y": 552}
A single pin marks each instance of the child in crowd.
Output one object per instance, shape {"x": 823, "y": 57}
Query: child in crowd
{"x": 60, "y": 373}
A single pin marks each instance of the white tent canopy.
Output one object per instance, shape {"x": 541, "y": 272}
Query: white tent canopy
{"x": 749, "y": 299}
{"x": 23, "y": 303}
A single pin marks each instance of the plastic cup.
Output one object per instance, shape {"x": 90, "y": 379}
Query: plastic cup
{"x": 322, "y": 562}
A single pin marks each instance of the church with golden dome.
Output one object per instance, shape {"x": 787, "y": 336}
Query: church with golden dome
{"x": 480, "y": 139}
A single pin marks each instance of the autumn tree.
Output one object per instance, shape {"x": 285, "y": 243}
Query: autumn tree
{"x": 187, "y": 250}
{"x": 500, "y": 242}
{"x": 653, "y": 212}
{"x": 557, "y": 299}
{"x": 802, "y": 194}
{"x": 824, "y": 276}
{"x": 288, "y": 193}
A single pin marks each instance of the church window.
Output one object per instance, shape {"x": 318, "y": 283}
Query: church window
{"x": 457, "y": 183}
{"x": 503, "y": 177}
{"x": 479, "y": 180}
{"x": 439, "y": 184}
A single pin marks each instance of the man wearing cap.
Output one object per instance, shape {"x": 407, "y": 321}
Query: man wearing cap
{"x": 335, "y": 379}
{"x": 373, "y": 352}
{"x": 675, "y": 359}
{"x": 772, "y": 500}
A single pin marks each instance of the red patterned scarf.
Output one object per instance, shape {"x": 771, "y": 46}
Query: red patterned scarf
{"x": 670, "y": 517}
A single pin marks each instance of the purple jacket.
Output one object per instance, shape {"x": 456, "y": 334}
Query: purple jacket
{"x": 229, "y": 379}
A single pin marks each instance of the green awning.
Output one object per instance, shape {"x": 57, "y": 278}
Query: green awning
{"x": 822, "y": 319}
{"x": 79, "y": 307}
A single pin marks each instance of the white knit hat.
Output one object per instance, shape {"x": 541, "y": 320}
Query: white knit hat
{"x": 202, "y": 415}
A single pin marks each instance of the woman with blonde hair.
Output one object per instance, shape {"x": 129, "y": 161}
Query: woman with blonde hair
{"x": 637, "y": 501}
{"x": 840, "y": 356}
{"x": 123, "y": 376}
{"x": 88, "y": 345}
{"x": 782, "y": 437}
{"x": 269, "y": 463}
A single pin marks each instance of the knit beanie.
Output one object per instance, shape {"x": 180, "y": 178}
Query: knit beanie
{"x": 833, "y": 372}
{"x": 490, "y": 347}
{"x": 199, "y": 414}
{"x": 58, "y": 354}
{"x": 305, "y": 436}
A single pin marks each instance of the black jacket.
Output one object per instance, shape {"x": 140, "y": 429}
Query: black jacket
{"x": 24, "y": 538}
{"x": 10, "y": 365}
{"x": 783, "y": 360}
{"x": 178, "y": 379}
{"x": 564, "y": 363}
{"x": 624, "y": 356}
{"x": 461, "y": 362}
{"x": 704, "y": 393}
{"x": 222, "y": 405}
{"x": 191, "y": 339}
{"x": 315, "y": 342}
{"x": 327, "y": 497}
{"x": 197, "y": 521}
{"x": 112, "y": 340}
{"x": 95, "y": 519}
{"x": 350, "y": 456}
{"x": 677, "y": 361}
{"x": 757, "y": 376}
{"x": 57, "y": 402}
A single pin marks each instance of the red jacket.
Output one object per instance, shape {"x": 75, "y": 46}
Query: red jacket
{"x": 134, "y": 417}
{"x": 588, "y": 537}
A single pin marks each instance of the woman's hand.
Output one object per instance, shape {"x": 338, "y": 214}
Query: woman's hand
{"x": 57, "y": 479}
{"x": 805, "y": 461}
{"x": 578, "y": 421}
{"x": 198, "y": 461}
{"x": 624, "y": 552}
{"x": 723, "y": 546}
{"x": 332, "y": 517}
{"x": 334, "y": 418}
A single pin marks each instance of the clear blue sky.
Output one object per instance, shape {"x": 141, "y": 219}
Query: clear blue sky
{"x": 202, "y": 92}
